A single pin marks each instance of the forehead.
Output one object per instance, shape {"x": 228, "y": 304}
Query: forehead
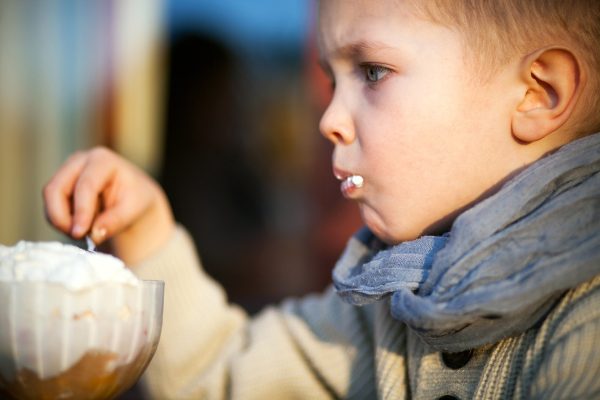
{"x": 392, "y": 24}
{"x": 342, "y": 21}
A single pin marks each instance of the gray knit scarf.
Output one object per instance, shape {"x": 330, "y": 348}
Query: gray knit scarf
{"x": 502, "y": 266}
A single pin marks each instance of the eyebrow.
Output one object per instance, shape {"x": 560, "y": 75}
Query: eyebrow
{"x": 355, "y": 50}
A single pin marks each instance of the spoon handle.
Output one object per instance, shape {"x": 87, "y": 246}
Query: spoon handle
{"x": 91, "y": 246}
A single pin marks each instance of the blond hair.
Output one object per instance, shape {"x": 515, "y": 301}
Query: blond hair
{"x": 496, "y": 30}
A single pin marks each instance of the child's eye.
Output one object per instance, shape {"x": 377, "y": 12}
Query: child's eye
{"x": 374, "y": 73}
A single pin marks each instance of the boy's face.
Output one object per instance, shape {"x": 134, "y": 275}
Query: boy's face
{"x": 408, "y": 116}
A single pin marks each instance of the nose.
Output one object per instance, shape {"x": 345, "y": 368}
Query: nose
{"x": 336, "y": 122}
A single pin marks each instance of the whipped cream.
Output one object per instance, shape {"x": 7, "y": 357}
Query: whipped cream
{"x": 63, "y": 264}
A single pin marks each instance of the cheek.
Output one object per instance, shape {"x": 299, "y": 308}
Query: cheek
{"x": 414, "y": 113}
{"x": 415, "y": 149}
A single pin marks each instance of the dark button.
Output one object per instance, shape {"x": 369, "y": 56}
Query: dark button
{"x": 492, "y": 316}
{"x": 457, "y": 360}
{"x": 448, "y": 397}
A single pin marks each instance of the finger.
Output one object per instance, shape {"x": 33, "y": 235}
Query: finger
{"x": 58, "y": 191}
{"x": 113, "y": 221}
{"x": 96, "y": 175}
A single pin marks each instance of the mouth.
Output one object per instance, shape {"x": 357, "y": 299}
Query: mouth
{"x": 350, "y": 183}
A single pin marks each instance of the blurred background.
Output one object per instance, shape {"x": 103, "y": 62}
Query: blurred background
{"x": 219, "y": 100}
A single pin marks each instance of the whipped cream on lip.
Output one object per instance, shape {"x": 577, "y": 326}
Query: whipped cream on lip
{"x": 350, "y": 183}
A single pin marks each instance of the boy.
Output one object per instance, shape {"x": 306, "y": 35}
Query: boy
{"x": 467, "y": 135}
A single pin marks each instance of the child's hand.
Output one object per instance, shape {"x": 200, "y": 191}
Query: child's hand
{"x": 99, "y": 193}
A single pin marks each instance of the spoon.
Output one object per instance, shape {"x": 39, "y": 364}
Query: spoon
{"x": 91, "y": 246}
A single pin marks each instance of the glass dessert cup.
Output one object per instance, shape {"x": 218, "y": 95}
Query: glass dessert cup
{"x": 91, "y": 343}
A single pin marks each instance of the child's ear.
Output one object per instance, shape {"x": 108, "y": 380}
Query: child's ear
{"x": 552, "y": 83}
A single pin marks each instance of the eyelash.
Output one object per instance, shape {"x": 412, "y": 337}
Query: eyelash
{"x": 372, "y": 73}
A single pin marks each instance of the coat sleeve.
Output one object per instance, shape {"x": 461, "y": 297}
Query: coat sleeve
{"x": 569, "y": 366}
{"x": 317, "y": 347}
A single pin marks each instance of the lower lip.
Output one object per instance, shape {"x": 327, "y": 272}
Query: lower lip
{"x": 350, "y": 185}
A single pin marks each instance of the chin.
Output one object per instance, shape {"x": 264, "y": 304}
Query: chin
{"x": 386, "y": 232}
{"x": 400, "y": 229}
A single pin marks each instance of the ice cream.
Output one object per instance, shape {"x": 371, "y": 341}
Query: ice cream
{"x": 64, "y": 264}
{"x": 73, "y": 324}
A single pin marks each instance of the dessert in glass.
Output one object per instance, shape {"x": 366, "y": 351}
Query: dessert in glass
{"x": 74, "y": 324}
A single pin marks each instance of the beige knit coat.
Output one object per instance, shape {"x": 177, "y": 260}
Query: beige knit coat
{"x": 319, "y": 347}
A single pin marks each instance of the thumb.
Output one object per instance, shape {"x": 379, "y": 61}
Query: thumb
{"x": 111, "y": 222}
